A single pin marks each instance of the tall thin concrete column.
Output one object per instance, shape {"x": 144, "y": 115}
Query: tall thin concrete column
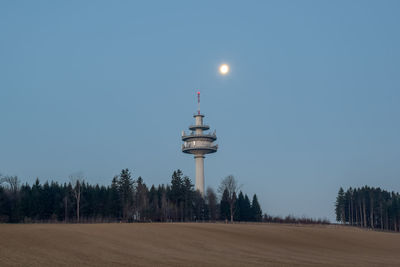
{"x": 199, "y": 173}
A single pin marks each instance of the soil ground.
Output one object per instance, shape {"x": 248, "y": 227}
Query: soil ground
{"x": 195, "y": 244}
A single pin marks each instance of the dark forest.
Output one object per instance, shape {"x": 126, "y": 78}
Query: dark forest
{"x": 368, "y": 207}
{"x": 124, "y": 200}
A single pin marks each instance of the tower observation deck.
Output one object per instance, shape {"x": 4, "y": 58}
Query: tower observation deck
{"x": 199, "y": 143}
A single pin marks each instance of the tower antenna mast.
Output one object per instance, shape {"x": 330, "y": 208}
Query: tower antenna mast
{"x": 198, "y": 103}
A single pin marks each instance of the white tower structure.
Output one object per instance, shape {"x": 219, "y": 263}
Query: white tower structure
{"x": 199, "y": 143}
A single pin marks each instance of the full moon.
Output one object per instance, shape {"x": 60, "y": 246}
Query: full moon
{"x": 224, "y": 69}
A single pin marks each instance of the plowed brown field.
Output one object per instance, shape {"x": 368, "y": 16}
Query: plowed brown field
{"x": 195, "y": 244}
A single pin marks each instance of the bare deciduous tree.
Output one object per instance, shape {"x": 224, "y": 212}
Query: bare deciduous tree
{"x": 12, "y": 182}
{"x": 77, "y": 180}
{"x": 230, "y": 184}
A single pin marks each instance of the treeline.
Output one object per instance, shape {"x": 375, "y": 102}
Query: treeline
{"x": 368, "y": 207}
{"x": 294, "y": 220}
{"x": 125, "y": 199}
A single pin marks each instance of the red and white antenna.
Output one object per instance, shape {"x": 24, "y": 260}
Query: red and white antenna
{"x": 198, "y": 103}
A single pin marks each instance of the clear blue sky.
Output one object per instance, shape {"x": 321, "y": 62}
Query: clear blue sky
{"x": 311, "y": 102}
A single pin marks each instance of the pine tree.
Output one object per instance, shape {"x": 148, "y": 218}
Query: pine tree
{"x": 246, "y": 209}
{"x": 126, "y": 193}
{"x": 340, "y": 206}
{"x": 176, "y": 194}
{"x": 240, "y": 212}
{"x": 114, "y": 202}
{"x": 224, "y": 206}
{"x": 5, "y": 206}
{"x": 198, "y": 206}
{"x": 256, "y": 209}
{"x": 142, "y": 202}
{"x": 154, "y": 209}
{"x": 188, "y": 198}
{"x": 26, "y": 202}
{"x": 211, "y": 201}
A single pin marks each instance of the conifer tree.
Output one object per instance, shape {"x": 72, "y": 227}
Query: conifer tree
{"x": 247, "y": 216}
{"x": 256, "y": 209}
{"x": 240, "y": 208}
{"x": 188, "y": 197}
{"x": 126, "y": 193}
{"x": 224, "y": 206}
{"x": 340, "y": 206}
{"x": 154, "y": 209}
{"x": 142, "y": 201}
{"x": 211, "y": 201}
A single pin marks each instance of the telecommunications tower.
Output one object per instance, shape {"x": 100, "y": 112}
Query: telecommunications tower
{"x": 199, "y": 143}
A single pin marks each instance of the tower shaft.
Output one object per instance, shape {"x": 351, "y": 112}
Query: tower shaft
{"x": 199, "y": 173}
